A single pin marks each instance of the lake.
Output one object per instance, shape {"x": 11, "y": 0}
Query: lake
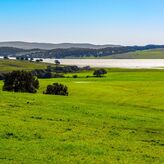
{"x": 107, "y": 63}
{"x": 111, "y": 63}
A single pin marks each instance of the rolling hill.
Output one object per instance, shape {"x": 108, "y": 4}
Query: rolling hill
{"x": 40, "y": 50}
{"x": 49, "y": 46}
{"x": 144, "y": 54}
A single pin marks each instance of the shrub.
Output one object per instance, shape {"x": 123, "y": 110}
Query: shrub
{"x": 57, "y": 89}
{"x": 20, "y": 81}
{"x": 75, "y": 76}
{"x": 87, "y": 68}
{"x": 99, "y": 72}
{"x": 66, "y": 69}
{"x": 47, "y": 75}
{"x": 18, "y": 58}
{"x": 37, "y": 60}
{"x": 31, "y": 59}
{"x": 26, "y": 58}
{"x": 5, "y": 57}
{"x": 57, "y": 62}
{"x": 1, "y": 76}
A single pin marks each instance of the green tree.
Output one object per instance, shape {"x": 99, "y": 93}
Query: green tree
{"x": 57, "y": 62}
{"x": 57, "y": 89}
{"x": 20, "y": 81}
{"x": 99, "y": 72}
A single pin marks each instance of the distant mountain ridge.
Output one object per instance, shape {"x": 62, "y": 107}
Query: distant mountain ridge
{"x": 81, "y": 52}
{"x": 50, "y": 46}
{"x": 69, "y": 50}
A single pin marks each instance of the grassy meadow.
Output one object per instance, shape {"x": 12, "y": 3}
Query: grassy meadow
{"x": 144, "y": 54}
{"x": 115, "y": 119}
{"x": 10, "y": 65}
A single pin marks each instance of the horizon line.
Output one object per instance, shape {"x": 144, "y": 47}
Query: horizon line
{"x": 96, "y": 44}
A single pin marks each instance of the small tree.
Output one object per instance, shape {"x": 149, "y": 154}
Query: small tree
{"x": 20, "y": 81}
{"x": 31, "y": 59}
{"x": 18, "y": 58}
{"x": 5, "y": 57}
{"x": 75, "y": 76}
{"x": 22, "y": 58}
{"x": 26, "y": 58}
{"x": 99, "y": 72}
{"x": 57, "y": 89}
{"x": 57, "y": 62}
{"x": 38, "y": 60}
{"x": 49, "y": 68}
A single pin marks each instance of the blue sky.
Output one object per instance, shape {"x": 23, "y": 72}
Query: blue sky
{"x": 126, "y": 22}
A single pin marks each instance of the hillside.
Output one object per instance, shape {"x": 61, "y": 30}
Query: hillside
{"x": 144, "y": 54}
{"x": 9, "y": 65}
{"x": 109, "y": 52}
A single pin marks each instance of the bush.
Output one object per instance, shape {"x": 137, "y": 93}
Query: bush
{"x": 20, "y": 81}
{"x": 57, "y": 89}
{"x": 1, "y": 76}
{"x": 99, "y": 72}
{"x": 57, "y": 62}
{"x": 5, "y": 57}
{"x": 66, "y": 69}
{"x": 87, "y": 68}
{"x": 75, "y": 76}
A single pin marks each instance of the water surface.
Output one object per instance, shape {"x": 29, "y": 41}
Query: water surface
{"x": 112, "y": 63}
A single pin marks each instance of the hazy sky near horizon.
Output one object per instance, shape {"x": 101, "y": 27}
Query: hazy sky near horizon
{"x": 126, "y": 22}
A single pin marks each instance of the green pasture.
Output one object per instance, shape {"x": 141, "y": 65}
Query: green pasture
{"x": 10, "y": 65}
{"x": 115, "y": 119}
{"x": 144, "y": 54}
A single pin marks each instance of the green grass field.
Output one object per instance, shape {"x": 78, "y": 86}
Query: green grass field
{"x": 116, "y": 119}
{"x": 143, "y": 54}
{"x": 10, "y": 65}
{"x": 146, "y": 54}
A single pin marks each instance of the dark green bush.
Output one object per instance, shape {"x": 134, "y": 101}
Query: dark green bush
{"x": 57, "y": 89}
{"x": 20, "y": 81}
{"x": 75, "y": 76}
{"x": 99, "y": 72}
{"x": 5, "y": 57}
{"x": 57, "y": 62}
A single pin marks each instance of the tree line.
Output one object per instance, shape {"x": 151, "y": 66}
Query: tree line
{"x": 24, "y": 81}
{"x": 73, "y": 52}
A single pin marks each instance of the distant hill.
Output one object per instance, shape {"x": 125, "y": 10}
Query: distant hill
{"x": 144, "y": 54}
{"x": 49, "y": 46}
{"x": 120, "y": 52}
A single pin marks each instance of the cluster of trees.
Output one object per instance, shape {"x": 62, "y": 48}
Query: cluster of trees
{"x": 23, "y": 81}
{"x": 66, "y": 69}
{"x": 22, "y": 58}
{"x": 57, "y": 71}
{"x": 44, "y": 73}
{"x": 27, "y": 58}
{"x": 20, "y": 81}
{"x": 8, "y": 51}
